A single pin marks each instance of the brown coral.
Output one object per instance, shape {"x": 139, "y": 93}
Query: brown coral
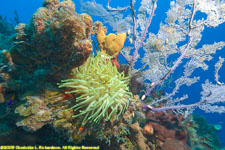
{"x": 88, "y": 22}
{"x": 173, "y": 144}
{"x": 138, "y": 137}
{"x": 167, "y": 125}
{"x": 50, "y": 3}
{"x": 56, "y": 40}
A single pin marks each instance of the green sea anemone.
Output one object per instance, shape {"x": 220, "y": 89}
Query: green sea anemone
{"x": 103, "y": 91}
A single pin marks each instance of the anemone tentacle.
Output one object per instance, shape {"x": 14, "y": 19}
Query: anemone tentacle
{"x": 103, "y": 91}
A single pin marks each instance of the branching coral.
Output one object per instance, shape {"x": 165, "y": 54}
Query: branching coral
{"x": 104, "y": 92}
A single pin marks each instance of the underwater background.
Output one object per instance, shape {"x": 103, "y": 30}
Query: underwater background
{"x": 24, "y": 10}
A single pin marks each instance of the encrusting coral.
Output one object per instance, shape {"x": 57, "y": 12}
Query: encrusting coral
{"x": 44, "y": 109}
{"x": 56, "y": 40}
{"x": 104, "y": 92}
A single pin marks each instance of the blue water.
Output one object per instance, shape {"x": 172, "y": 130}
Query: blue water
{"x": 26, "y": 8}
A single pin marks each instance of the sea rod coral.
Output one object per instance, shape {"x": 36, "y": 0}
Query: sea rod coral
{"x": 182, "y": 25}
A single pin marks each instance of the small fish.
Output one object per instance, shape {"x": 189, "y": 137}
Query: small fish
{"x": 11, "y": 100}
{"x": 81, "y": 128}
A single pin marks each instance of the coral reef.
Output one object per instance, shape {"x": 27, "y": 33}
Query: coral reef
{"x": 56, "y": 40}
{"x": 104, "y": 92}
{"x": 49, "y": 108}
{"x": 53, "y": 108}
{"x": 201, "y": 135}
{"x": 111, "y": 44}
{"x": 6, "y": 33}
{"x": 166, "y": 125}
{"x": 98, "y": 103}
{"x": 136, "y": 83}
{"x": 139, "y": 138}
{"x": 6, "y": 67}
{"x": 125, "y": 133}
{"x": 43, "y": 109}
{"x": 173, "y": 144}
